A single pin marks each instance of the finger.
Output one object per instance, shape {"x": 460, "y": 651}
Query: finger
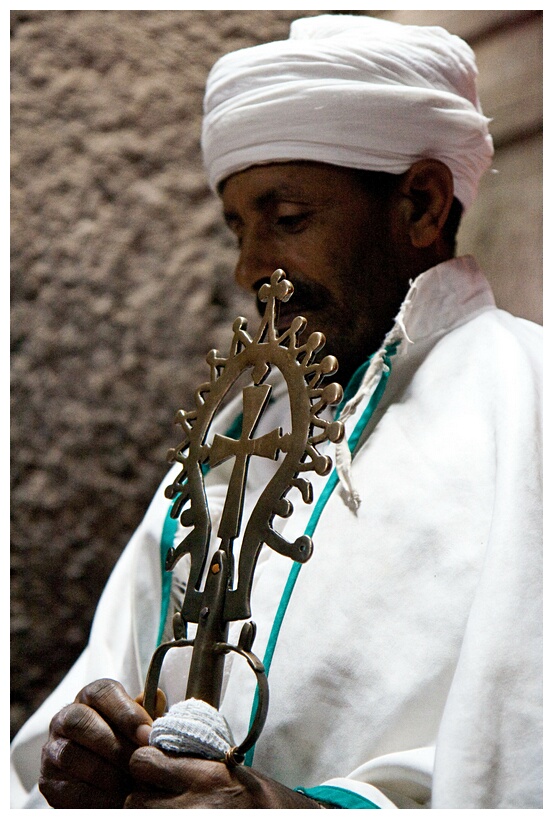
{"x": 65, "y": 760}
{"x": 124, "y": 714}
{"x": 161, "y": 703}
{"x": 174, "y": 774}
{"x": 88, "y": 729}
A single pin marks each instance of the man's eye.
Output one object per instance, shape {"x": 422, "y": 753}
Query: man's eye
{"x": 292, "y": 222}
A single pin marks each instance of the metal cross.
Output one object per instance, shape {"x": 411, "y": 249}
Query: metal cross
{"x": 219, "y": 602}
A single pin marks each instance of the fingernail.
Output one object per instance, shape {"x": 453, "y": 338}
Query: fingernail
{"x": 143, "y": 734}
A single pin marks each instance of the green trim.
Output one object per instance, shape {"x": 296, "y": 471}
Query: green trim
{"x": 340, "y": 797}
{"x": 318, "y": 510}
{"x": 167, "y": 539}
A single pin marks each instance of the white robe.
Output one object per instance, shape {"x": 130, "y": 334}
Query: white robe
{"x": 408, "y": 665}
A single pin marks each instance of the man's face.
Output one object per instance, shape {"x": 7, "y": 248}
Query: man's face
{"x": 332, "y": 236}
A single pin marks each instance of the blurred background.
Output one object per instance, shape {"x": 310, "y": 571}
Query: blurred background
{"x": 122, "y": 274}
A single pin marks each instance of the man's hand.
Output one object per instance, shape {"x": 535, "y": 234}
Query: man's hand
{"x": 97, "y": 756}
{"x": 168, "y": 781}
{"x": 85, "y": 763}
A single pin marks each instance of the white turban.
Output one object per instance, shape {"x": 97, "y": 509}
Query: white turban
{"x": 359, "y": 92}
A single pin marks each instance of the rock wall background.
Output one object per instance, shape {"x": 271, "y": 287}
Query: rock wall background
{"x": 121, "y": 282}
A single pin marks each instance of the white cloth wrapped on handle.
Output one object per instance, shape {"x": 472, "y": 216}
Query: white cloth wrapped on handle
{"x": 193, "y": 727}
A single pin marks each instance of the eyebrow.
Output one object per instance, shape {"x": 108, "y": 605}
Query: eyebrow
{"x": 277, "y": 194}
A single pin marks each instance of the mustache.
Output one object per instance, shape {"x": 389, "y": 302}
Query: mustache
{"x": 307, "y": 296}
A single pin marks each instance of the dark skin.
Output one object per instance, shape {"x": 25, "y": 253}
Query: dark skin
{"x": 348, "y": 247}
{"x": 350, "y": 252}
{"x": 97, "y": 756}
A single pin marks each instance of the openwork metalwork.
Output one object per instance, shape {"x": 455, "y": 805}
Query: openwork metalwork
{"x": 215, "y": 597}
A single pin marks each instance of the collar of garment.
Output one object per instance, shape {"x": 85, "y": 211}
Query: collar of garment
{"x": 440, "y": 299}
{"x": 444, "y": 297}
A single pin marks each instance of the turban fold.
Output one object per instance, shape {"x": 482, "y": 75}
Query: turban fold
{"x": 358, "y": 92}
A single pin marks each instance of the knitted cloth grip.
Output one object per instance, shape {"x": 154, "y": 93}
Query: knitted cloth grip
{"x": 195, "y": 728}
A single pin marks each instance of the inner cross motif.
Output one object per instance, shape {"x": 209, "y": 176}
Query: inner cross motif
{"x": 255, "y": 399}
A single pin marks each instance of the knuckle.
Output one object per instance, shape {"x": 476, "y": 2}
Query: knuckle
{"x": 109, "y": 699}
{"x": 47, "y": 764}
{"x": 55, "y": 753}
{"x": 68, "y": 719}
{"x": 99, "y": 691}
{"x": 76, "y": 720}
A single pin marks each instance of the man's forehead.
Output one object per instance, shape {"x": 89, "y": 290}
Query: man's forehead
{"x": 292, "y": 181}
{"x": 276, "y": 170}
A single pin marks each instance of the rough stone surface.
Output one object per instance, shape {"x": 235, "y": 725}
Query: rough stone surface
{"x": 121, "y": 283}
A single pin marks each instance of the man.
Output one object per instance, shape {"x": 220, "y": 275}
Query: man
{"x": 404, "y": 670}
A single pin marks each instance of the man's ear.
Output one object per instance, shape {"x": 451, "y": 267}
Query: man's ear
{"x": 426, "y": 192}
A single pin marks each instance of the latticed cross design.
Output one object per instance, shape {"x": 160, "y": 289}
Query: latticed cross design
{"x": 303, "y": 374}
{"x": 225, "y": 595}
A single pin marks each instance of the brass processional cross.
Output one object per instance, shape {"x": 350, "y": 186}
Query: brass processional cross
{"x": 214, "y": 598}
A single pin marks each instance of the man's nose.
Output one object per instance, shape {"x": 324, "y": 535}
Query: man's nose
{"x": 256, "y": 261}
